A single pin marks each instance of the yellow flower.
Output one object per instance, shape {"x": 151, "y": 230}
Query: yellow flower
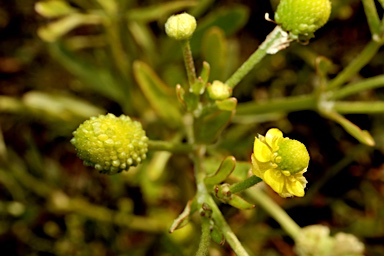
{"x": 281, "y": 163}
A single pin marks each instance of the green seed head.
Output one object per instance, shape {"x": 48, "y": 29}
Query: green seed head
{"x": 180, "y": 26}
{"x": 110, "y": 144}
{"x": 302, "y": 17}
{"x": 293, "y": 156}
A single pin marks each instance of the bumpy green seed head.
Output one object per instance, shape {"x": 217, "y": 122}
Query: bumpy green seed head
{"x": 110, "y": 144}
{"x": 293, "y": 156}
{"x": 302, "y": 17}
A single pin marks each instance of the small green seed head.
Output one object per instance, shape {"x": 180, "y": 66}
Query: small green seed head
{"x": 293, "y": 156}
{"x": 180, "y": 26}
{"x": 302, "y": 17}
{"x": 110, "y": 144}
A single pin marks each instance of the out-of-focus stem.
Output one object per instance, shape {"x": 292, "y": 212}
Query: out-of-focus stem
{"x": 276, "y": 212}
{"x": 270, "y": 42}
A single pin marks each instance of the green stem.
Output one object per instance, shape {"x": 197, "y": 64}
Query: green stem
{"x": 220, "y": 222}
{"x": 205, "y": 237}
{"x": 188, "y": 61}
{"x": 360, "y": 61}
{"x": 284, "y": 105}
{"x": 244, "y": 184}
{"x": 273, "y": 41}
{"x": 160, "y": 145}
{"x": 372, "y": 17}
{"x": 358, "y": 107}
{"x": 60, "y": 202}
{"x": 285, "y": 221}
{"x": 204, "y": 197}
{"x": 366, "y": 84}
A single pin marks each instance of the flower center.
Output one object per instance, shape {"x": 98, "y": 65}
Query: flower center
{"x": 292, "y": 156}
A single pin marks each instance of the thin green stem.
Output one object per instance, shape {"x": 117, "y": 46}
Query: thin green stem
{"x": 273, "y": 40}
{"x": 205, "y": 237}
{"x": 285, "y": 221}
{"x": 372, "y": 17}
{"x": 203, "y": 196}
{"x": 284, "y": 105}
{"x": 60, "y": 202}
{"x": 359, "y": 107}
{"x": 160, "y": 145}
{"x": 244, "y": 184}
{"x": 360, "y": 61}
{"x": 220, "y": 222}
{"x": 366, "y": 84}
{"x": 189, "y": 63}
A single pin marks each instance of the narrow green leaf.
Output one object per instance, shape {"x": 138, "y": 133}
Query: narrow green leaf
{"x": 227, "y": 104}
{"x": 209, "y": 125}
{"x": 162, "y": 99}
{"x": 58, "y": 28}
{"x": 158, "y": 11}
{"x": 205, "y": 72}
{"x": 239, "y": 203}
{"x": 215, "y": 52}
{"x": 183, "y": 218}
{"x": 98, "y": 79}
{"x": 53, "y": 8}
{"x": 225, "y": 169}
{"x": 229, "y": 20}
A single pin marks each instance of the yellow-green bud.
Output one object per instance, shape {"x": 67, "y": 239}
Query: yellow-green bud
{"x": 292, "y": 155}
{"x": 180, "y": 26}
{"x": 110, "y": 144}
{"x": 219, "y": 90}
{"x": 302, "y": 17}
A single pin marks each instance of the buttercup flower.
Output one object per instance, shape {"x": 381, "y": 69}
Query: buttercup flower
{"x": 281, "y": 163}
{"x": 110, "y": 144}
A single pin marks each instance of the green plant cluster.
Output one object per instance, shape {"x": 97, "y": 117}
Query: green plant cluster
{"x": 192, "y": 108}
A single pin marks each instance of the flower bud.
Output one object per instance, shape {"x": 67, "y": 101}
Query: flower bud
{"x": 110, "y": 144}
{"x": 180, "y": 26}
{"x": 302, "y": 17}
{"x": 219, "y": 90}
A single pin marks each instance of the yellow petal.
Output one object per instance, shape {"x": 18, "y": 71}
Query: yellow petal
{"x": 295, "y": 188}
{"x": 261, "y": 151}
{"x": 255, "y": 167}
{"x": 274, "y": 179}
{"x": 272, "y": 137}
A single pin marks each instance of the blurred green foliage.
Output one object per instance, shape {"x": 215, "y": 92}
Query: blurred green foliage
{"x": 113, "y": 56}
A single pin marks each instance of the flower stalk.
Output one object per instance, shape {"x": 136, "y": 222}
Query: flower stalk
{"x": 275, "y": 41}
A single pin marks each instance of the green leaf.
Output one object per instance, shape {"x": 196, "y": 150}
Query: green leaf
{"x": 183, "y": 218}
{"x": 239, "y": 203}
{"x": 158, "y": 11}
{"x": 225, "y": 169}
{"x": 58, "y": 28}
{"x": 227, "y": 104}
{"x": 229, "y": 20}
{"x": 59, "y": 106}
{"x": 162, "y": 99}
{"x": 98, "y": 79}
{"x": 209, "y": 125}
{"x": 54, "y": 8}
{"x": 215, "y": 52}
